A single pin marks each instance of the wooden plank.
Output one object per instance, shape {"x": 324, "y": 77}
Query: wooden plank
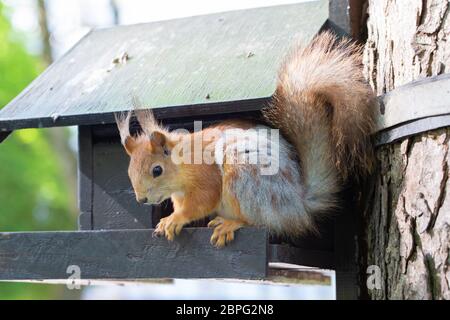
{"x": 4, "y": 135}
{"x": 301, "y": 256}
{"x": 276, "y": 275}
{"x": 85, "y": 178}
{"x": 412, "y": 128}
{"x": 339, "y": 15}
{"x": 131, "y": 254}
{"x": 292, "y": 276}
{"x": 414, "y": 108}
{"x": 417, "y": 100}
{"x": 195, "y": 61}
{"x": 171, "y": 113}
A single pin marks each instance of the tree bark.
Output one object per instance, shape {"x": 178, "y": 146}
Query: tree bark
{"x": 45, "y": 34}
{"x": 407, "y": 225}
{"x": 59, "y": 136}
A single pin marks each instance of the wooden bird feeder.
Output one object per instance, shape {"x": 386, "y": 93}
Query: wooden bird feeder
{"x": 205, "y": 68}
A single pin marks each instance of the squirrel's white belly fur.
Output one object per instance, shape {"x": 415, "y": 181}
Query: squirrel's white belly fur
{"x": 269, "y": 191}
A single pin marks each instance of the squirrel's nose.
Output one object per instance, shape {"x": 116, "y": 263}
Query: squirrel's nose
{"x": 142, "y": 200}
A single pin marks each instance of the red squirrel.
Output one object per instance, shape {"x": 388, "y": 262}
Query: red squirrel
{"x": 323, "y": 108}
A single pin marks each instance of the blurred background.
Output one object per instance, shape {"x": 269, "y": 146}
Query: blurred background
{"x": 38, "y": 166}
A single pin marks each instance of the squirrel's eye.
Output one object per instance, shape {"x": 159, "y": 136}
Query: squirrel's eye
{"x": 157, "y": 171}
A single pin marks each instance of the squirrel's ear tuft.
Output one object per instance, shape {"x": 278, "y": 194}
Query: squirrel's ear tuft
{"x": 158, "y": 140}
{"x": 123, "y": 125}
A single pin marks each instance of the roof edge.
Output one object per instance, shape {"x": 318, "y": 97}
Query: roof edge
{"x": 165, "y": 113}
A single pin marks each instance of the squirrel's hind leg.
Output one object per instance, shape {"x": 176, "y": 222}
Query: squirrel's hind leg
{"x": 224, "y": 230}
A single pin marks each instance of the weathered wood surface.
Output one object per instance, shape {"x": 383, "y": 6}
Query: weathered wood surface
{"x": 202, "y": 60}
{"x": 407, "y": 232}
{"x": 416, "y": 100}
{"x": 131, "y": 254}
{"x": 299, "y": 275}
{"x": 411, "y": 128}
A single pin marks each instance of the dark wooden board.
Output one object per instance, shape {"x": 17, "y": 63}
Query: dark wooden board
{"x": 85, "y": 177}
{"x": 416, "y": 100}
{"x": 339, "y": 15}
{"x": 412, "y": 128}
{"x": 301, "y": 256}
{"x": 205, "y": 61}
{"x": 131, "y": 254}
{"x": 171, "y": 113}
{"x": 114, "y": 204}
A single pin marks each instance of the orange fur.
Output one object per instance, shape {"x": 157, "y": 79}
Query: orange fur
{"x": 195, "y": 189}
{"x": 228, "y": 198}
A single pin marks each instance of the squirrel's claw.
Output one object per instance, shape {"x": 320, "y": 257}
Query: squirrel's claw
{"x": 159, "y": 231}
{"x": 169, "y": 226}
{"x": 156, "y": 234}
{"x": 223, "y": 231}
{"x": 221, "y": 240}
{"x": 215, "y": 222}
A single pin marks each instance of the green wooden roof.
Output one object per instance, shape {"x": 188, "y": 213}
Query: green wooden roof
{"x": 205, "y": 64}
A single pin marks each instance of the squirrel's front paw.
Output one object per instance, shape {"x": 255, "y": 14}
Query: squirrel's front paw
{"x": 223, "y": 231}
{"x": 170, "y": 226}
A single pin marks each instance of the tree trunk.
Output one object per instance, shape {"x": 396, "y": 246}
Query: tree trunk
{"x": 45, "y": 34}
{"x": 115, "y": 11}
{"x": 59, "y": 136}
{"x": 407, "y": 226}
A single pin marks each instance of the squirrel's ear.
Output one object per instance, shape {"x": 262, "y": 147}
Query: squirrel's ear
{"x": 129, "y": 145}
{"x": 158, "y": 140}
{"x": 123, "y": 125}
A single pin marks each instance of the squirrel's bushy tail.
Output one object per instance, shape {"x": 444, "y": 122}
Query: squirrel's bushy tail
{"x": 324, "y": 108}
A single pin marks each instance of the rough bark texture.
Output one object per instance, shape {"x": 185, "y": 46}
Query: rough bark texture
{"x": 407, "y": 230}
{"x": 58, "y": 136}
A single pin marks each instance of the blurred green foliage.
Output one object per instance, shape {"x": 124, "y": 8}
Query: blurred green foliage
{"x": 33, "y": 191}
